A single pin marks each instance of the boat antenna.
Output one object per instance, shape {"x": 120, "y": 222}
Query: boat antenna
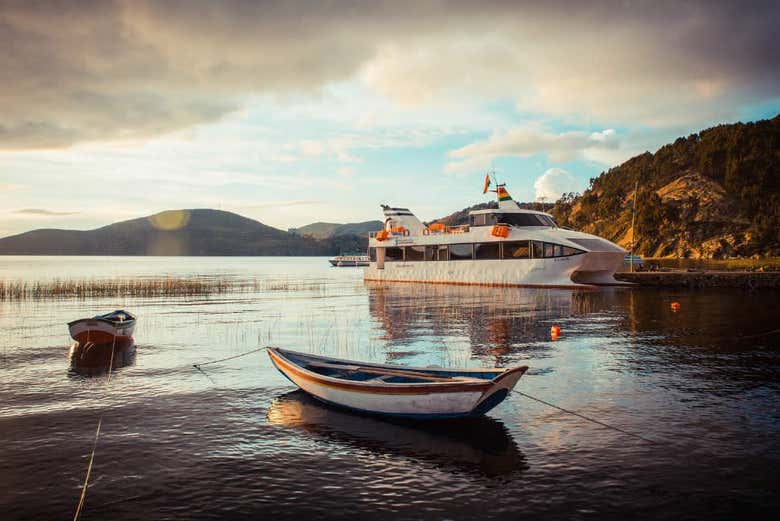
{"x": 633, "y": 230}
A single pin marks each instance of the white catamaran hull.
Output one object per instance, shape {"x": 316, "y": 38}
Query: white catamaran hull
{"x": 587, "y": 268}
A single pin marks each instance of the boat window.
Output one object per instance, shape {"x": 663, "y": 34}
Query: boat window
{"x": 517, "y": 250}
{"x": 414, "y": 253}
{"x": 430, "y": 253}
{"x": 461, "y": 251}
{"x": 487, "y": 250}
{"x": 537, "y": 251}
{"x": 525, "y": 219}
{"x": 486, "y": 219}
{"x": 564, "y": 251}
{"x": 372, "y": 254}
{"x": 444, "y": 252}
{"x": 548, "y": 250}
{"x": 567, "y": 251}
{"x": 394, "y": 254}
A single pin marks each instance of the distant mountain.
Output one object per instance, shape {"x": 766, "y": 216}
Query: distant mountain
{"x": 714, "y": 194}
{"x": 322, "y": 230}
{"x": 178, "y": 232}
{"x": 318, "y": 230}
{"x": 357, "y": 228}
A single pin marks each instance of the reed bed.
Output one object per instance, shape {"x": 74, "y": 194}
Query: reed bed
{"x": 144, "y": 287}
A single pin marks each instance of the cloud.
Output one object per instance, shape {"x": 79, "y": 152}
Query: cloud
{"x": 526, "y": 141}
{"x": 42, "y": 212}
{"x": 554, "y": 182}
{"x": 115, "y": 70}
{"x": 634, "y": 63}
{"x": 103, "y": 70}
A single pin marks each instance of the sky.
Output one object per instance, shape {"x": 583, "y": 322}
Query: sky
{"x": 293, "y": 112}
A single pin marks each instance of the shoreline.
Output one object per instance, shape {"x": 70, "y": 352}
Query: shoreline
{"x": 703, "y": 279}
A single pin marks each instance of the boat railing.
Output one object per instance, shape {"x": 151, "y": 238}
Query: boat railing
{"x": 463, "y": 228}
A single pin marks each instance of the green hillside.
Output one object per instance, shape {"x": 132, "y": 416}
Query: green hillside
{"x": 318, "y": 230}
{"x": 322, "y": 230}
{"x": 713, "y": 194}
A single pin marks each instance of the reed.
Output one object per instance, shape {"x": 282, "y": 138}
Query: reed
{"x": 144, "y": 287}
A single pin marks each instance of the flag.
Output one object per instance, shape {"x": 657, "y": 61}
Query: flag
{"x": 502, "y": 194}
{"x": 487, "y": 184}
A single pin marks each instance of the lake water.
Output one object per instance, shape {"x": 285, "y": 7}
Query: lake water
{"x": 240, "y": 443}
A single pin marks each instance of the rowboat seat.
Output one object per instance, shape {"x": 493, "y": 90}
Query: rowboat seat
{"x": 380, "y": 378}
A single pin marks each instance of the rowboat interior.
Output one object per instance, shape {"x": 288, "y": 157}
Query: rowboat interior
{"x": 382, "y": 374}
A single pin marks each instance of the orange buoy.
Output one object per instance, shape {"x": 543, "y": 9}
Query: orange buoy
{"x": 555, "y": 332}
{"x": 675, "y": 307}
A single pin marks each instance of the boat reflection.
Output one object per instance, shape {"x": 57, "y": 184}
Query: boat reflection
{"x": 496, "y": 321}
{"x": 91, "y": 359}
{"x": 713, "y": 330}
{"x": 480, "y": 446}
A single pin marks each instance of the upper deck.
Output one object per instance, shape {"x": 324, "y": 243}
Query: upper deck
{"x": 508, "y": 222}
{"x": 516, "y": 217}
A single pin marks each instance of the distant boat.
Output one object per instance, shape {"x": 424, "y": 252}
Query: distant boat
{"x": 350, "y": 260}
{"x": 103, "y": 329}
{"x": 396, "y": 390}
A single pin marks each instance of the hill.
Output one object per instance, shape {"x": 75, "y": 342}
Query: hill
{"x": 360, "y": 229}
{"x": 713, "y": 194}
{"x": 318, "y": 230}
{"x": 177, "y": 232}
{"x": 322, "y": 230}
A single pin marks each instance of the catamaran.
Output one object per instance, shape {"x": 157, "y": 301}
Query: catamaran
{"x": 348, "y": 260}
{"x": 504, "y": 246}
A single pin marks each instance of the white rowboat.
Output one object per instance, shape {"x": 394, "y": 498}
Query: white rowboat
{"x": 396, "y": 390}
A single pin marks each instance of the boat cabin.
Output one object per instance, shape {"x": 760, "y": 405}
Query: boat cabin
{"x": 516, "y": 218}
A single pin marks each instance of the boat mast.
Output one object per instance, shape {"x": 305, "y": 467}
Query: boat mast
{"x": 633, "y": 218}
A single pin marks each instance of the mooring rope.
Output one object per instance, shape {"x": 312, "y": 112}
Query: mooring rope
{"x": 83, "y": 497}
{"x": 198, "y": 366}
{"x": 231, "y": 357}
{"x": 766, "y": 333}
{"x": 597, "y": 422}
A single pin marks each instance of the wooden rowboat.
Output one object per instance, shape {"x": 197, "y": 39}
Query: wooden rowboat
{"x": 396, "y": 390}
{"x": 103, "y": 329}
